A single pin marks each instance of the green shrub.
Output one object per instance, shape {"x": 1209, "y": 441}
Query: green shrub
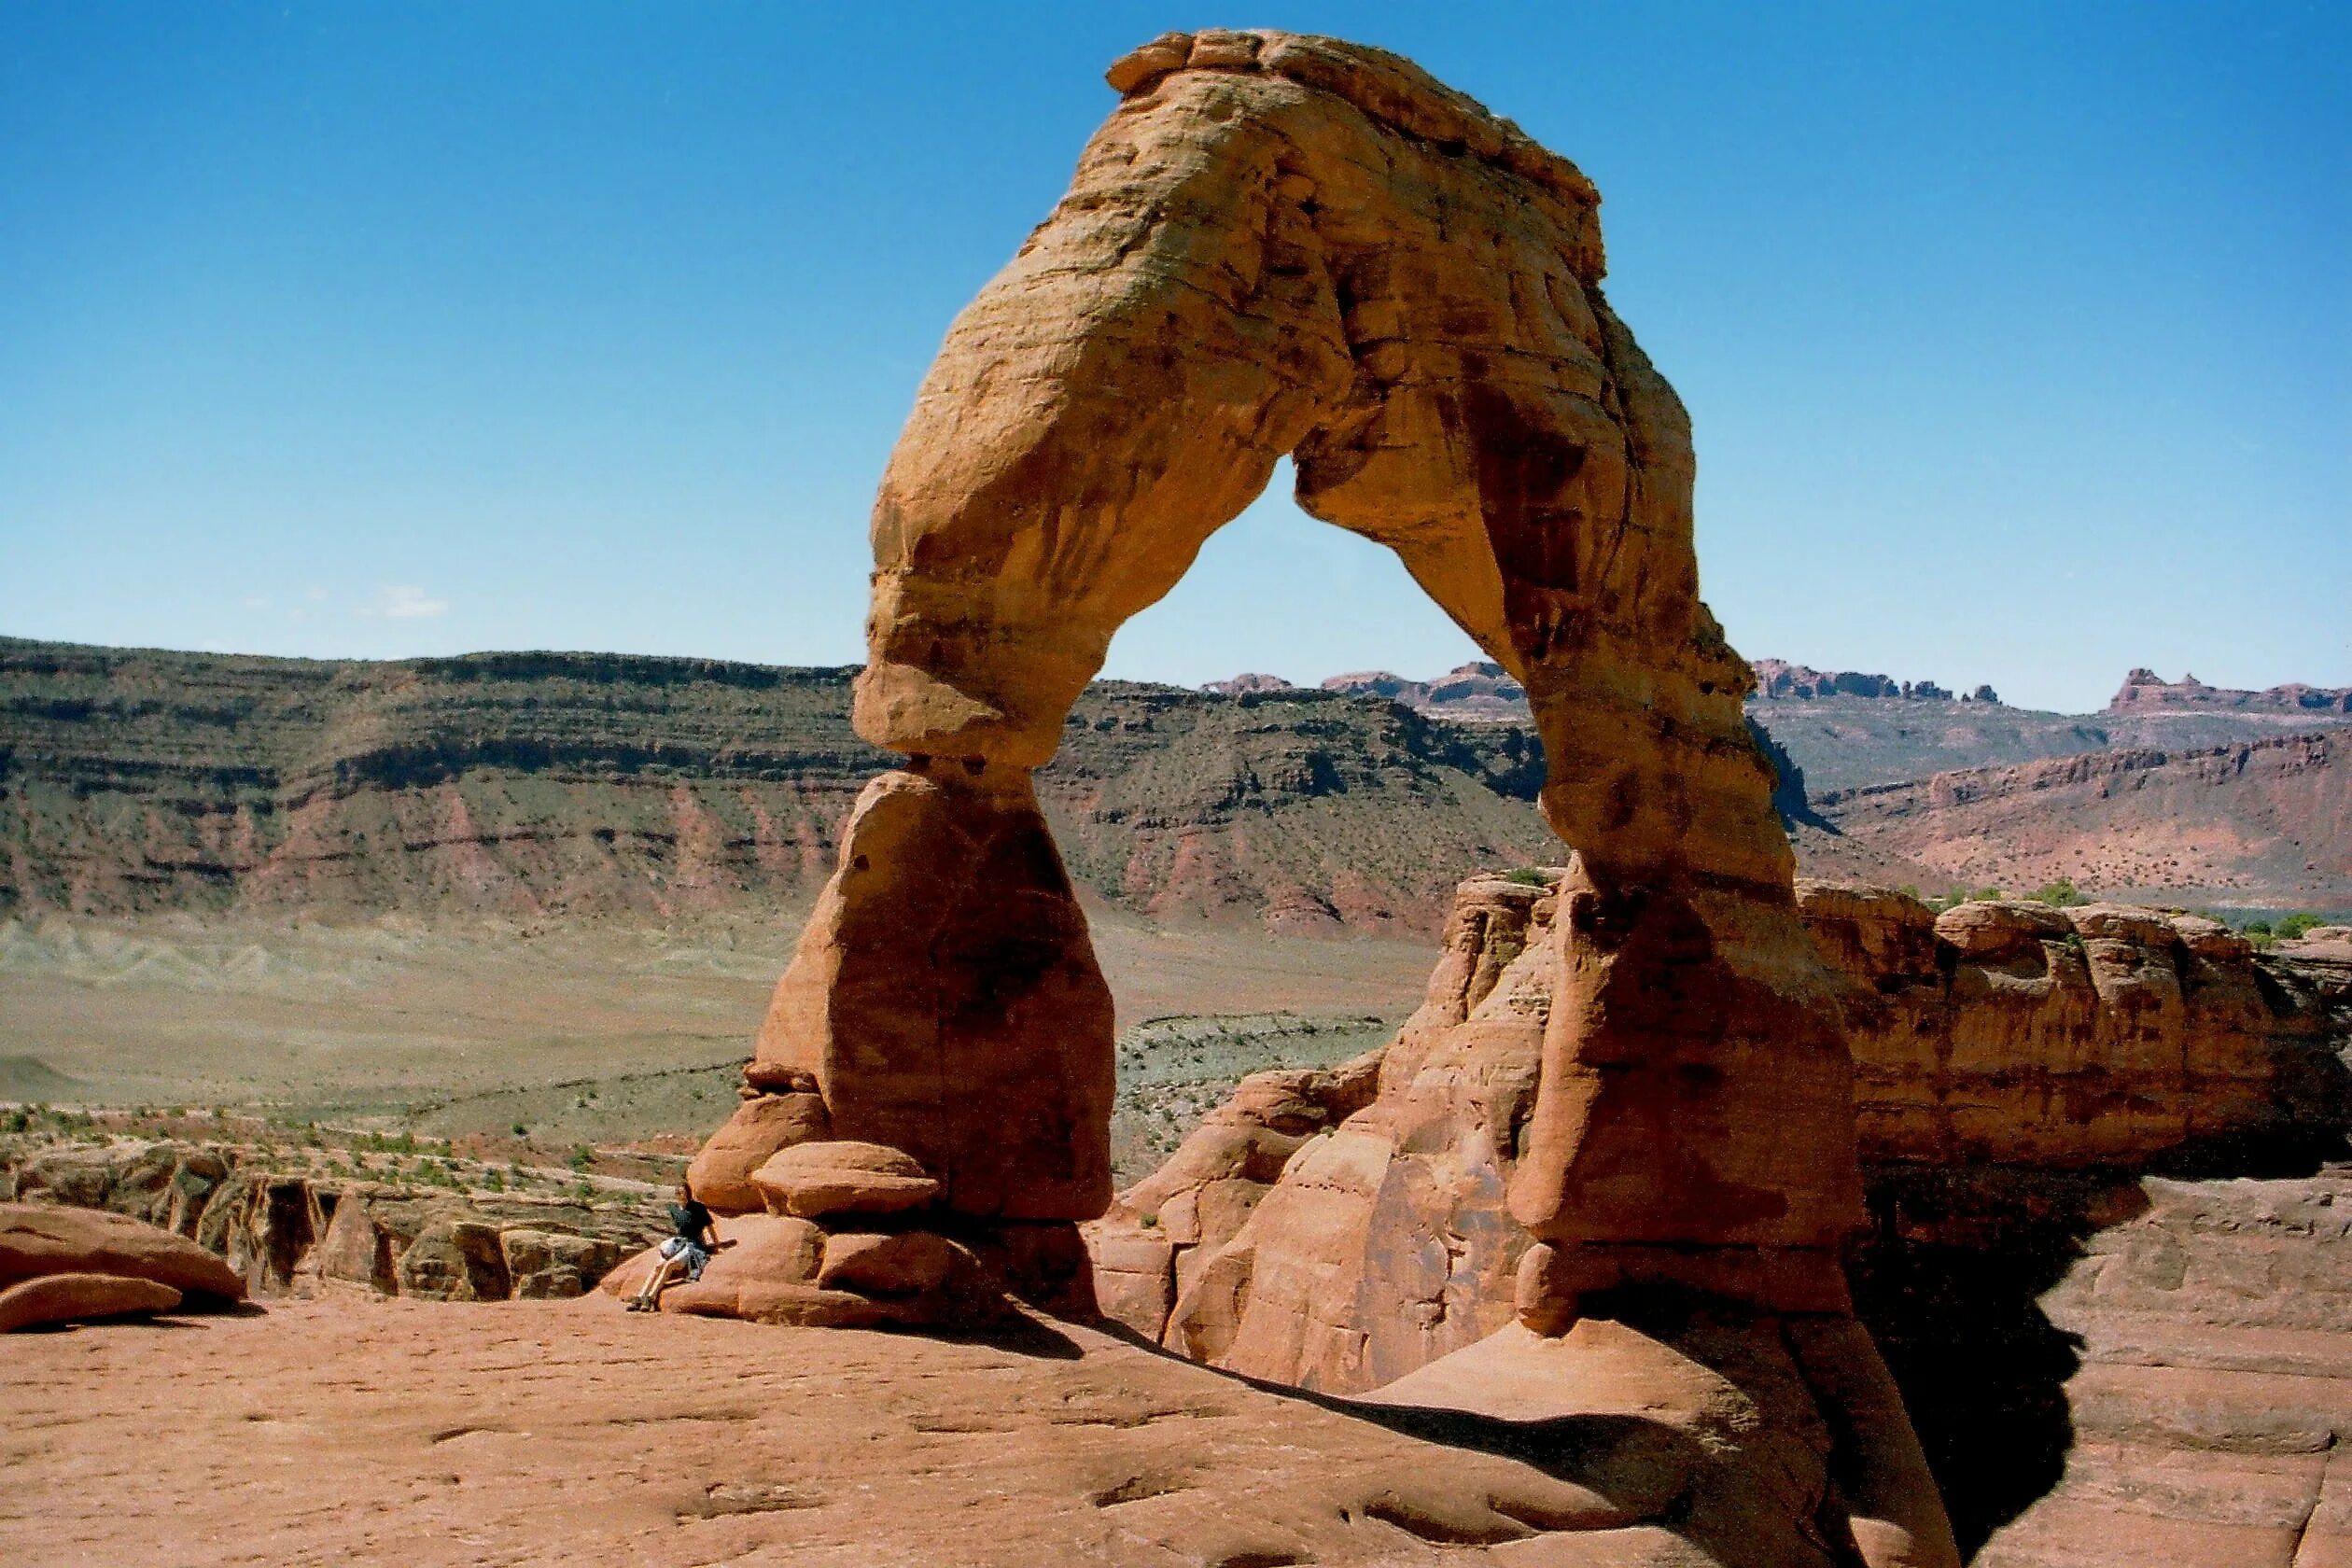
{"x": 1527, "y": 876}
{"x": 2294, "y": 926}
{"x": 2061, "y": 894}
{"x": 521, "y": 1131}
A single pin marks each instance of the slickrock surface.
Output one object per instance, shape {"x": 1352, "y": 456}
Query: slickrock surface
{"x": 535, "y": 1433}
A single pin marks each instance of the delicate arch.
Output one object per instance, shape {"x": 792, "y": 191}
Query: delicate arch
{"x": 1273, "y": 259}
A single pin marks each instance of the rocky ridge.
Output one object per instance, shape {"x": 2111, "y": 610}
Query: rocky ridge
{"x": 1778, "y": 681}
{"x": 589, "y": 784}
{"x": 2144, "y": 691}
{"x": 2022, "y": 1072}
{"x": 2254, "y": 822}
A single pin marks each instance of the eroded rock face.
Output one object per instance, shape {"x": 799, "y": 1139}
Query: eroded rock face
{"x": 944, "y": 1000}
{"x": 2001, "y": 1034}
{"x": 2018, "y": 1070}
{"x": 2006, "y": 1032}
{"x": 278, "y": 1235}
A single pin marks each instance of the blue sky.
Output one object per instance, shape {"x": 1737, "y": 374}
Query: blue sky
{"x": 2018, "y": 337}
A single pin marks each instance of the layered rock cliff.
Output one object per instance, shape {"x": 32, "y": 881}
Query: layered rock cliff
{"x": 557, "y": 783}
{"x": 1993, "y": 1034}
{"x": 289, "y": 1234}
{"x": 2264, "y": 822}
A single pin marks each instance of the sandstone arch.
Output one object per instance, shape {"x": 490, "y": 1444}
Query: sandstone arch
{"x": 1285, "y": 246}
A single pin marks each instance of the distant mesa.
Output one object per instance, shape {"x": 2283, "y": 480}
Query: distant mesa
{"x": 1248, "y": 685}
{"x": 1480, "y": 690}
{"x": 1777, "y": 681}
{"x": 2144, "y": 690}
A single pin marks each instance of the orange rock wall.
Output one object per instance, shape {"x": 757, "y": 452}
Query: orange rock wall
{"x": 1341, "y": 1247}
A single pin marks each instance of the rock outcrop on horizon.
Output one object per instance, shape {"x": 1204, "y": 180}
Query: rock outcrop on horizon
{"x": 1480, "y": 691}
{"x": 2144, "y": 691}
{"x": 1776, "y": 680}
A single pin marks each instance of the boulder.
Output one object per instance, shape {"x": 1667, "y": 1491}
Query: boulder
{"x": 56, "y": 1298}
{"x": 903, "y": 1263}
{"x": 843, "y": 1177}
{"x": 755, "y": 1250}
{"x": 721, "y": 1174}
{"x": 41, "y": 1238}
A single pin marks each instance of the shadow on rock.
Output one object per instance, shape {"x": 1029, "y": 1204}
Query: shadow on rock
{"x": 1947, "y": 1280}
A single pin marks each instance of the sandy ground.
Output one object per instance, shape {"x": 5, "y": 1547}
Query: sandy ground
{"x": 351, "y": 1429}
{"x": 460, "y": 1029}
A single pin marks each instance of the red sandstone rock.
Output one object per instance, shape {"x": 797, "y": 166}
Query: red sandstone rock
{"x": 1285, "y": 245}
{"x": 905, "y": 1263}
{"x": 945, "y": 998}
{"x": 38, "y": 1239}
{"x": 843, "y": 1177}
{"x": 721, "y": 1174}
{"x": 57, "y": 1299}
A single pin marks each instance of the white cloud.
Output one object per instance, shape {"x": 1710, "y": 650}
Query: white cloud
{"x": 257, "y": 601}
{"x": 404, "y": 601}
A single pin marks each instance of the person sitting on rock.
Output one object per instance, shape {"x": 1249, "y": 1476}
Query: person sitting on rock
{"x": 683, "y": 1254}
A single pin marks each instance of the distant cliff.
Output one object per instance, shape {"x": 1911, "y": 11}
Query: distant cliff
{"x": 579, "y": 783}
{"x": 2265, "y": 823}
{"x": 590, "y": 784}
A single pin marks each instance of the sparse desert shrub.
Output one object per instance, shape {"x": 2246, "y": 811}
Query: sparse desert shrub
{"x": 2061, "y": 894}
{"x": 520, "y": 1130}
{"x": 2294, "y": 926}
{"x": 1527, "y": 876}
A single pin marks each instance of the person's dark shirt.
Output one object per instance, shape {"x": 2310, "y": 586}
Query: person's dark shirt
{"x": 691, "y": 1220}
